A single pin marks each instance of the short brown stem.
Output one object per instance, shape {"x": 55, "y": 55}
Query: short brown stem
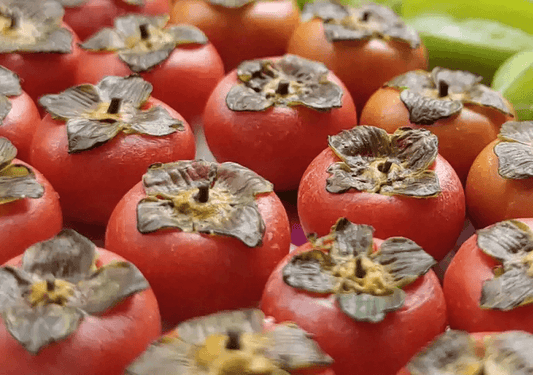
{"x": 359, "y": 270}
{"x": 385, "y": 166}
{"x": 114, "y": 106}
{"x": 144, "y": 31}
{"x": 365, "y": 16}
{"x": 234, "y": 340}
{"x": 203, "y": 193}
{"x": 50, "y": 285}
{"x": 443, "y": 89}
{"x": 283, "y": 87}
{"x": 14, "y": 21}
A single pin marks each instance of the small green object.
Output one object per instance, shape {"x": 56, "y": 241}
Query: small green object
{"x": 514, "y": 80}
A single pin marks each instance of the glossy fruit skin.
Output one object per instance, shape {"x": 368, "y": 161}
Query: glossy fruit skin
{"x": 277, "y": 143}
{"x": 183, "y": 81}
{"x": 198, "y": 274}
{"x": 92, "y": 182}
{"x": 45, "y": 73}
{"x": 433, "y": 223}
{"x": 490, "y": 198}
{"x": 20, "y": 123}
{"x": 259, "y": 29}
{"x": 27, "y": 221}
{"x": 463, "y": 282}
{"x": 363, "y": 66}
{"x": 358, "y": 347}
{"x": 461, "y": 137}
{"x": 89, "y": 18}
{"x": 104, "y": 344}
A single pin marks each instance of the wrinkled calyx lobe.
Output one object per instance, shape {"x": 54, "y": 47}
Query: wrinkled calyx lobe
{"x": 515, "y": 150}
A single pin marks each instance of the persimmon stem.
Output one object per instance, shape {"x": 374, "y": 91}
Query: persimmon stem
{"x": 283, "y": 87}
{"x": 359, "y": 270}
{"x": 143, "y": 28}
{"x": 365, "y": 16}
{"x": 114, "y": 106}
{"x": 50, "y": 285}
{"x": 234, "y": 340}
{"x": 14, "y": 21}
{"x": 203, "y": 193}
{"x": 385, "y": 166}
{"x": 443, "y": 89}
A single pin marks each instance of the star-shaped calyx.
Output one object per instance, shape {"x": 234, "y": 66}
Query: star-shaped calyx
{"x": 9, "y": 86}
{"x": 365, "y": 22}
{"x": 367, "y": 284}
{"x": 377, "y": 162}
{"x": 33, "y": 26}
{"x": 290, "y": 81}
{"x": 442, "y": 93}
{"x": 456, "y": 352}
{"x": 231, "y": 342}
{"x": 16, "y": 180}
{"x": 57, "y": 286}
{"x": 515, "y": 150}
{"x": 77, "y": 3}
{"x": 203, "y": 197}
{"x": 511, "y": 243}
{"x": 142, "y": 42}
{"x": 94, "y": 114}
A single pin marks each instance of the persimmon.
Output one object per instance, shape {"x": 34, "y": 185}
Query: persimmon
{"x": 241, "y": 30}
{"x": 500, "y": 184}
{"x": 463, "y": 113}
{"x": 365, "y": 47}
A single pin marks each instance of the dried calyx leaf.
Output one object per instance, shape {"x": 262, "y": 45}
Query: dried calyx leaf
{"x": 511, "y": 243}
{"x": 515, "y": 150}
{"x": 290, "y": 81}
{"x": 203, "y": 197}
{"x": 142, "y": 42}
{"x": 389, "y": 164}
{"x": 231, "y": 342}
{"x": 77, "y": 3}
{"x": 456, "y": 352}
{"x": 365, "y": 22}
{"x": 9, "y": 86}
{"x": 16, "y": 180}
{"x": 442, "y": 93}
{"x": 231, "y": 3}
{"x": 33, "y": 26}
{"x": 96, "y": 114}
{"x": 367, "y": 284}
{"x": 58, "y": 284}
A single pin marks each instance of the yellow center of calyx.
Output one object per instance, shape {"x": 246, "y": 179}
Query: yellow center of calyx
{"x": 18, "y": 31}
{"x": 50, "y": 291}
{"x": 528, "y": 260}
{"x": 218, "y": 203}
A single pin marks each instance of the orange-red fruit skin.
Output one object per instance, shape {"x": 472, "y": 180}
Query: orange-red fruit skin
{"x": 91, "y": 183}
{"x": 104, "y": 344}
{"x": 433, "y": 223}
{"x": 461, "y": 137}
{"x": 463, "y": 282}
{"x": 359, "y": 347}
{"x": 198, "y": 274}
{"x": 277, "y": 143}
{"x": 26, "y": 221}
{"x": 363, "y": 66}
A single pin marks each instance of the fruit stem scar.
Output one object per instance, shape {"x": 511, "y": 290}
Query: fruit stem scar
{"x": 143, "y": 28}
{"x": 283, "y": 87}
{"x": 114, "y": 106}
{"x": 443, "y": 89}
{"x": 365, "y": 16}
{"x": 359, "y": 270}
{"x": 50, "y": 285}
{"x": 203, "y": 193}
{"x": 234, "y": 340}
{"x": 385, "y": 166}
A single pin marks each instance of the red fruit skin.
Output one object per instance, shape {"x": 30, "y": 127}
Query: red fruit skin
{"x": 92, "y": 182}
{"x": 463, "y": 282}
{"x": 20, "y": 123}
{"x": 357, "y": 347}
{"x": 363, "y": 66}
{"x": 89, "y": 18}
{"x": 277, "y": 143}
{"x": 198, "y": 274}
{"x": 256, "y": 30}
{"x": 45, "y": 73}
{"x": 461, "y": 137}
{"x": 104, "y": 344}
{"x": 26, "y": 221}
{"x": 183, "y": 81}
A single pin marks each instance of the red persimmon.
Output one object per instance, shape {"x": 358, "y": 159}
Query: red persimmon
{"x": 205, "y": 235}
{"x": 91, "y": 169}
{"x": 487, "y": 285}
{"x": 103, "y": 342}
{"x": 276, "y": 122}
{"x": 397, "y": 183}
{"x": 241, "y": 30}
{"x": 360, "y": 330}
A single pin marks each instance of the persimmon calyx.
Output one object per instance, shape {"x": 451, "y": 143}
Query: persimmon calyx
{"x": 203, "y": 197}
{"x": 57, "y": 285}
{"x": 456, "y": 352}
{"x": 290, "y": 81}
{"x": 511, "y": 243}
{"x": 389, "y": 164}
{"x": 16, "y": 180}
{"x": 366, "y": 284}
{"x": 9, "y": 86}
{"x": 143, "y": 42}
{"x": 231, "y": 343}
{"x": 365, "y": 22}
{"x": 231, "y": 4}
{"x": 515, "y": 150}
{"x": 29, "y": 26}
{"x": 442, "y": 93}
{"x": 95, "y": 114}
{"x": 77, "y": 3}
